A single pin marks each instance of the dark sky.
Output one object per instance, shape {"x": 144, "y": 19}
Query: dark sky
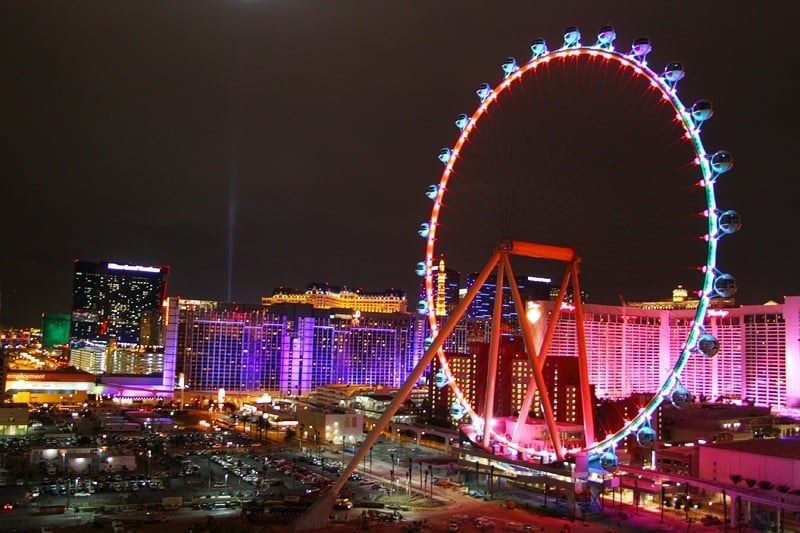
{"x": 130, "y": 128}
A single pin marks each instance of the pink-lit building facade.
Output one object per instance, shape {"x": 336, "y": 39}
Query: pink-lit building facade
{"x": 632, "y": 350}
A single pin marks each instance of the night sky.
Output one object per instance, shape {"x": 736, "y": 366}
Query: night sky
{"x": 254, "y": 144}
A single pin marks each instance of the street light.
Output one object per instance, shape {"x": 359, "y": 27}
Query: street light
{"x": 300, "y": 434}
{"x": 430, "y": 470}
{"x": 410, "y": 471}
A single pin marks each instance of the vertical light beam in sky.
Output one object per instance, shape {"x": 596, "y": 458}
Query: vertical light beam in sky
{"x": 236, "y": 102}
{"x": 233, "y": 179}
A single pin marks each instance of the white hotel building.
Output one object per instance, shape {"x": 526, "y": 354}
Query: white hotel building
{"x": 632, "y": 350}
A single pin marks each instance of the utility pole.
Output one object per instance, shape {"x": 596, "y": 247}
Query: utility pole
{"x": 491, "y": 481}
{"x": 391, "y": 472}
{"x": 430, "y": 470}
{"x": 410, "y": 471}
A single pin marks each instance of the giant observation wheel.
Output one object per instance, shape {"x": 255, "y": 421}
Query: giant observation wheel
{"x": 601, "y": 56}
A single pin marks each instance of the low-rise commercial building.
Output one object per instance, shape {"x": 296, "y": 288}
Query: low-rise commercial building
{"x": 337, "y": 427}
{"x": 776, "y": 461}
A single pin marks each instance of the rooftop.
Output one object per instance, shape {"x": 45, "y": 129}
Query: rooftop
{"x": 786, "y": 447}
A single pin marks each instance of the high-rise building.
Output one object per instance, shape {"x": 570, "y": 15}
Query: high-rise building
{"x": 530, "y": 288}
{"x": 109, "y": 299}
{"x": 464, "y": 369}
{"x": 562, "y": 379}
{"x": 446, "y": 288}
{"x": 632, "y": 350}
{"x": 287, "y": 348}
{"x": 469, "y": 372}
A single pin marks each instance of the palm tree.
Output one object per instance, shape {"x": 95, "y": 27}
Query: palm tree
{"x": 766, "y": 485}
{"x": 783, "y": 489}
{"x": 751, "y": 482}
{"x": 736, "y": 478}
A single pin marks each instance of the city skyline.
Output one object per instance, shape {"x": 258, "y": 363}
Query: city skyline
{"x": 250, "y": 145}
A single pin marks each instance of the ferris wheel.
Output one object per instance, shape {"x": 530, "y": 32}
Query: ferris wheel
{"x": 637, "y": 85}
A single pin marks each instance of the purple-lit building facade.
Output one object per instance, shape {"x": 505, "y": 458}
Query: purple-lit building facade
{"x": 287, "y": 348}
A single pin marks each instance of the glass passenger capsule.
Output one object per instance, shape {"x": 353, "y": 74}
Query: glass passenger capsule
{"x": 673, "y": 72}
{"x": 509, "y": 66}
{"x": 646, "y": 437}
{"x": 725, "y": 285}
{"x": 702, "y": 110}
{"x": 641, "y": 47}
{"x": 681, "y": 397}
{"x": 606, "y": 36}
{"x": 483, "y": 92}
{"x": 444, "y": 155}
{"x": 572, "y": 37}
{"x": 440, "y": 379}
{"x": 708, "y": 345}
{"x": 538, "y": 48}
{"x": 729, "y": 222}
{"x": 721, "y": 162}
{"x": 609, "y": 461}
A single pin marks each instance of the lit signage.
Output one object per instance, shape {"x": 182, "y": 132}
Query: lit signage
{"x": 134, "y": 268}
{"x": 27, "y": 377}
{"x": 717, "y": 312}
{"x": 537, "y": 279}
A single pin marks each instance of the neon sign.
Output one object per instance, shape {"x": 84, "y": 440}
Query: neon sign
{"x": 133, "y": 268}
{"x": 27, "y": 377}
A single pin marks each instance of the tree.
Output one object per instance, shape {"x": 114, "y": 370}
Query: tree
{"x": 782, "y": 488}
{"x": 290, "y": 434}
{"x": 751, "y": 482}
{"x": 736, "y": 478}
{"x": 766, "y": 485}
